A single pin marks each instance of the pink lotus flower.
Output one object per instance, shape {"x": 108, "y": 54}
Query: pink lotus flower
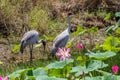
{"x": 63, "y": 53}
{"x": 115, "y": 69}
{"x": 79, "y": 46}
{"x": 1, "y": 78}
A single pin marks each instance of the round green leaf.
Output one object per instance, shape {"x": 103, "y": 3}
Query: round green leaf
{"x": 39, "y": 72}
{"x": 102, "y": 55}
{"x": 90, "y": 66}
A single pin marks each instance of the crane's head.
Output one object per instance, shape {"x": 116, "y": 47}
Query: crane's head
{"x": 44, "y": 44}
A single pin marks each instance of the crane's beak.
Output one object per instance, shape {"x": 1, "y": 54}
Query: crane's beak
{"x": 44, "y": 44}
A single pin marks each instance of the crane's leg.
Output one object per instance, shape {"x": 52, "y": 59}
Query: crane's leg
{"x": 31, "y": 49}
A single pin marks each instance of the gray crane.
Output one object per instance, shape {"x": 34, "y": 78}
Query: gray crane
{"x": 30, "y": 38}
{"x": 62, "y": 39}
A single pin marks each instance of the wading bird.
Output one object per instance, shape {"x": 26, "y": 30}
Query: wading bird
{"x": 62, "y": 39}
{"x": 28, "y": 39}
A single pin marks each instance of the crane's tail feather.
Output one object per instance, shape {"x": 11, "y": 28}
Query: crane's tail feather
{"x": 22, "y": 47}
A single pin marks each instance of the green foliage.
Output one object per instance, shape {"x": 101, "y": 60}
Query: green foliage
{"x": 38, "y": 18}
{"x": 102, "y": 55}
{"x": 79, "y": 31}
{"x": 15, "y": 48}
{"x": 48, "y": 78}
{"x": 110, "y": 77}
{"x": 107, "y": 17}
{"x": 39, "y": 72}
{"x": 78, "y": 70}
{"x": 48, "y": 38}
{"x": 1, "y": 62}
{"x": 38, "y": 45}
{"x": 111, "y": 44}
{"x": 103, "y": 72}
{"x": 111, "y": 29}
{"x": 19, "y": 75}
{"x": 56, "y": 72}
{"x": 59, "y": 64}
{"x": 117, "y": 32}
{"x": 79, "y": 58}
{"x": 59, "y": 69}
{"x": 93, "y": 29}
{"x": 108, "y": 29}
{"x": 70, "y": 43}
{"x": 117, "y": 14}
{"x": 6, "y": 7}
{"x": 101, "y": 13}
{"x": 98, "y": 47}
{"x": 30, "y": 74}
{"x": 91, "y": 66}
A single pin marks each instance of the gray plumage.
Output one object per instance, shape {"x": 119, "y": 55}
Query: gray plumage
{"x": 62, "y": 39}
{"x": 28, "y": 39}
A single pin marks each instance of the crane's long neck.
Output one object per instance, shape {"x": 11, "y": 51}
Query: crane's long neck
{"x": 69, "y": 24}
